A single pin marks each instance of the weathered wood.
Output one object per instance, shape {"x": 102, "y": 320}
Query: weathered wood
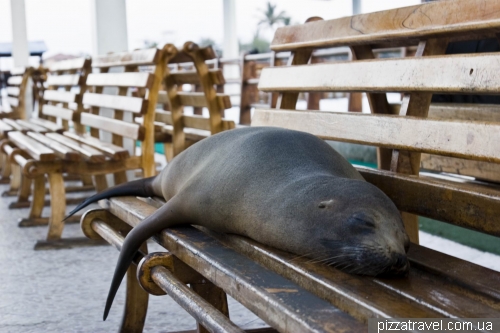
{"x": 13, "y": 91}
{"x": 474, "y": 112}
{"x": 115, "y": 152}
{"x": 13, "y": 102}
{"x": 60, "y": 96}
{"x": 472, "y": 73}
{"x": 15, "y": 80}
{"x": 122, "y": 128}
{"x": 134, "y": 58}
{"x": 139, "y": 79}
{"x": 191, "y": 77}
{"x": 199, "y": 100}
{"x": 59, "y": 149}
{"x": 58, "y": 112}
{"x": 32, "y": 147}
{"x": 48, "y": 125}
{"x": 458, "y": 20}
{"x": 31, "y": 126}
{"x": 471, "y": 140}
{"x": 124, "y": 103}
{"x": 70, "y": 64}
{"x": 91, "y": 154}
{"x": 64, "y": 80}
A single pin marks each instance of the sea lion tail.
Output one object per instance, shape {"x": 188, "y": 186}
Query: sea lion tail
{"x": 166, "y": 216}
{"x": 140, "y": 188}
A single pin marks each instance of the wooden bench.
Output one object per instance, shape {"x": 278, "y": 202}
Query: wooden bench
{"x": 17, "y": 84}
{"x": 174, "y": 128}
{"x": 61, "y": 105}
{"x": 292, "y": 294}
{"x": 89, "y": 153}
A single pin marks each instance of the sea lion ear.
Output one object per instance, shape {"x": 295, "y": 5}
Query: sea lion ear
{"x": 326, "y": 204}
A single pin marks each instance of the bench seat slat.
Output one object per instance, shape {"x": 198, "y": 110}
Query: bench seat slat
{"x": 257, "y": 286}
{"x": 49, "y": 125}
{"x": 59, "y": 96}
{"x": 125, "y": 103}
{"x": 12, "y": 123}
{"x": 34, "y": 148}
{"x": 4, "y": 127}
{"x": 115, "y": 152}
{"x": 31, "y": 126}
{"x": 140, "y": 79}
{"x": 472, "y": 73}
{"x": 119, "y": 127}
{"x": 60, "y": 150}
{"x": 368, "y": 297}
{"x": 15, "y": 80}
{"x": 470, "y": 18}
{"x": 13, "y": 91}
{"x": 58, "y": 112}
{"x": 470, "y": 140}
{"x": 64, "y": 80}
{"x": 89, "y": 153}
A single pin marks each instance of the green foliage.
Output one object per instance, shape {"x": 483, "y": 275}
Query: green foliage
{"x": 272, "y": 17}
{"x": 257, "y": 45}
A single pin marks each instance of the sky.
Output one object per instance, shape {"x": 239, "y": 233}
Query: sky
{"x": 65, "y": 25}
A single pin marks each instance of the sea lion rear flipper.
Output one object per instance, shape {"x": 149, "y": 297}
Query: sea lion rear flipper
{"x": 140, "y": 188}
{"x": 166, "y": 216}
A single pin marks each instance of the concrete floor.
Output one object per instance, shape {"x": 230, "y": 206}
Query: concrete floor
{"x": 65, "y": 290}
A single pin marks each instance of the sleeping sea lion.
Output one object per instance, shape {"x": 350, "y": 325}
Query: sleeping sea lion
{"x": 286, "y": 189}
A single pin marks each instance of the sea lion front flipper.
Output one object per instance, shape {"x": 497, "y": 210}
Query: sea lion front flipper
{"x": 166, "y": 216}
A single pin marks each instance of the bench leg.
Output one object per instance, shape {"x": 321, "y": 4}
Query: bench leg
{"x": 5, "y": 167}
{"x": 136, "y": 302}
{"x": 120, "y": 177}
{"x": 101, "y": 183}
{"x": 87, "y": 180}
{"x": 58, "y": 206}
{"x": 214, "y": 295}
{"x": 23, "y": 194}
{"x": 15, "y": 181}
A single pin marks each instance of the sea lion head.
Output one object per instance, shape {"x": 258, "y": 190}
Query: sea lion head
{"x": 354, "y": 226}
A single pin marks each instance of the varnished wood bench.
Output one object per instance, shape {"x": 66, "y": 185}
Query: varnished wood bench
{"x": 174, "y": 128}
{"x": 292, "y": 294}
{"x": 17, "y": 84}
{"x": 88, "y": 153}
{"x": 61, "y": 105}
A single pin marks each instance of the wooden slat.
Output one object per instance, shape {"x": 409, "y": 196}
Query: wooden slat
{"x": 115, "y": 152}
{"x": 140, "y": 79}
{"x": 191, "y": 134}
{"x": 4, "y": 127}
{"x": 58, "y": 112}
{"x": 191, "y": 77}
{"x": 480, "y": 112}
{"x": 197, "y": 99}
{"x": 13, "y": 91}
{"x": 119, "y": 127}
{"x": 31, "y": 126}
{"x": 12, "y": 123}
{"x": 162, "y": 97}
{"x": 32, "y": 147}
{"x": 471, "y": 140}
{"x": 49, "y": 125}
{"x": 64, "y": 80}
{"x": 13, "y": 101}
{"x": 70, "y": 64}
{"x": 475, "y": 73}
{"x": 89, "y": 153}
{"x": 134, "y": 58}
{"x": 15, "y": 80}
{"x": 478, "y": 169}
{"x": 458, "y": 19}
{"x": 59, "y": 96}
{"x": 60, "y": 150}
{"x": 18, "y": 71}
{"x": 243, "y": 279}
{"x": 125, "y": 103}
{"x": 438, "y": 199}
{"x": 189, "y": 121}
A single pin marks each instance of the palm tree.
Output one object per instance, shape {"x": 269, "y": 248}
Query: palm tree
{"x": 271, "y": 17}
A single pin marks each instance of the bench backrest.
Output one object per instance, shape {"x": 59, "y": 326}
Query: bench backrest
{"x": 66, "y": 84}
{"x": 207, "y": 78}
{"x": 405, "y": 136}
{"x": 121, "y": 72}
{"x": 17, "y": 84}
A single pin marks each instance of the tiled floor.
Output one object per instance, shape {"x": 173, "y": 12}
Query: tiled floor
{"x": 65, "y": 290}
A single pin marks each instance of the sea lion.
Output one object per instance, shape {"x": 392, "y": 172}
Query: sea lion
{"x": 286, "y": 189}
